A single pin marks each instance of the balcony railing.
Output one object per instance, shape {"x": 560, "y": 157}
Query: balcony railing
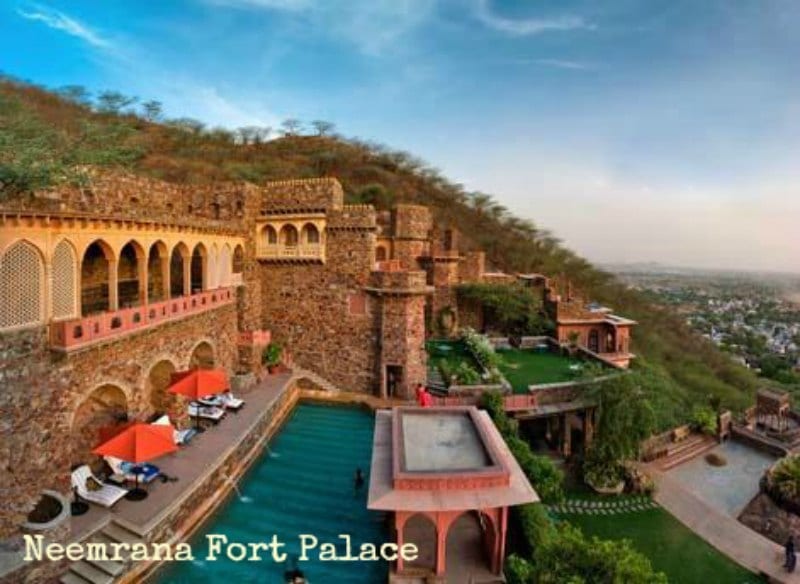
{"x": 290, "y": 252}
{"x": 68, "y": 335}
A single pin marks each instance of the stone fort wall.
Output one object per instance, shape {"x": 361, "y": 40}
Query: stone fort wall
{"x": 43, "y": 430}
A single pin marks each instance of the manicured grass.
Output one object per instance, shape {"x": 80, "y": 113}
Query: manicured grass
{"x": 527, "y": 367}
{"x": 671, "y": 547}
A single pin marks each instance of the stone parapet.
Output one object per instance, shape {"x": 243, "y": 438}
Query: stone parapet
{"x": 306, "y": 195}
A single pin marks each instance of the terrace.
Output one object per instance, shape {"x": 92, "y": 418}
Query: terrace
{"x": 524, "y": 368}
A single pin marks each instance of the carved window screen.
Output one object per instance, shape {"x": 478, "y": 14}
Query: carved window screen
{"x": 21, "y": 286}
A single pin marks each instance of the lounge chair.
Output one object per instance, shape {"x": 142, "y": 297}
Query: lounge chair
{"x": 212, "y": 413}
{"x": 181, "y": 437}
{"x": 91, "y": 489}
{"x": 123, "y": 470}
{"x": 223, "y": 400}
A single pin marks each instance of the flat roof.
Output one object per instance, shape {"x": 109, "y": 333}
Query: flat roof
{"x": 479, "y": 488}
{"x": 444, "y": 441}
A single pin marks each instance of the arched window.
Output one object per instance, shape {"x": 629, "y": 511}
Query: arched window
{"x": 380, "y": 254}
{"x": 270, "y": 235}
{"x": 288, "y": 235}
{"x": 310, "y": 234}
{"x": 21, "y": 286}
{"x": 64, "y": 281}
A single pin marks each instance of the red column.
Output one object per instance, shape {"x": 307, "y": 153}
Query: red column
{"x": 399, "y": 523}
{"x": 502, "y": 527}
{"x": 441, "y": 543}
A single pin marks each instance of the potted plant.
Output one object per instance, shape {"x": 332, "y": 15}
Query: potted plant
{"x": 271, "y": 357}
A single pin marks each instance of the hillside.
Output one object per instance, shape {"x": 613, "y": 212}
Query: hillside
{"x": 44, "y": 135}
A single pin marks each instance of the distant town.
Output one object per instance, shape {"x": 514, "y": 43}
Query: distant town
{"x": 753, "y": 316}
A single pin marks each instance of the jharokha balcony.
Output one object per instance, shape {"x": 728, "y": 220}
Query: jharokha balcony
{"x": 68, "y": 335}
{"x": 280, "y": 252}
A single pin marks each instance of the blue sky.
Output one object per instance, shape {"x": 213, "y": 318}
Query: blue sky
{"x": 634, "y": 130}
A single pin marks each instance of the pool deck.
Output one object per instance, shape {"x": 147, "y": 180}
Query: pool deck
{"x": 743, "y": 545}
{"x": 191, "y": 464}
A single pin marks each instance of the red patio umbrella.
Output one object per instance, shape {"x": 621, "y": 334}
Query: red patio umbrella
{"x": 199, "y": 383}
{"x": 137, "y": 444}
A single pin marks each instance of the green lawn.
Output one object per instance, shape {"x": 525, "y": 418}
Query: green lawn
{"x": 526, "y": 367}
{"x": 671, "y": 547}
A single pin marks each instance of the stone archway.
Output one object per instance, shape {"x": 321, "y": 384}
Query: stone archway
{"x": 106, "y": 405}
{"x": 420, "y": 530}
{"x": 465, "y": 551}
{"x": 202, "y": 356}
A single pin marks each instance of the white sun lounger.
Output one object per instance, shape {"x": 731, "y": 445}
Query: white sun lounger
{"x": 181, "y": 437}
{"x": 223, "y": 400}
{"x": 106, "y": 495}
{"x": 214, "y": 414}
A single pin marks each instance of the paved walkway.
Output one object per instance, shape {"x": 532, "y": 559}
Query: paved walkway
{"x": 191, "y": 464}
{"x": 740, "y": 543}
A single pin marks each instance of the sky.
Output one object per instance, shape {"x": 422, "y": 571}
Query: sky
{"x": 636, "y": 131}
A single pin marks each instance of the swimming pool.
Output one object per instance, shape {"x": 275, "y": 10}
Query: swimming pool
{"x": 302, "y": 485}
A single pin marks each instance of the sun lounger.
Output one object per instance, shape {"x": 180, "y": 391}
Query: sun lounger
{"x": 124, "y": 470}
{"x": 213, "y": 414}
{"x": 181, "y": 437}
{"x": 223, "y": 400}
{"x": 91, "y": 489}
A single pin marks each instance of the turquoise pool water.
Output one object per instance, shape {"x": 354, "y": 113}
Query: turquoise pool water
{"x": 304, "y": 484}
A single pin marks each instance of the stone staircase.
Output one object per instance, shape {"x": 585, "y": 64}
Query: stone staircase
{"x": 321, "y": 382}
{"x": 685, "y": 450}
{"x": 102, "y": 571}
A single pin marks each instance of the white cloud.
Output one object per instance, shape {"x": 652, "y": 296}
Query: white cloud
{"x": 60, "y": 21}
{"x": 564, "y": 64}
{"x": 288, "y": 5}
{"x": 529, "y": 26}
{"x": 374, "y": 26}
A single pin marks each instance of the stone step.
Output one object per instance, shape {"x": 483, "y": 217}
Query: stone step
{"x": 110, "y": 567}
{"x": 101, "y": 537}
{"x": 686, "y": 444}
{"x": 686, "y": 455}
{"x": 118, "y": 533}
{"x": 91, "y": 573}
{"x": 73, "y": 578}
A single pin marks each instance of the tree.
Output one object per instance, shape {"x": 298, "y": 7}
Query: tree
{"x": 152, "y": 110}
{"x": 76, "y": 94}
{"x": 113, "y": 102}
{"x": 291, "y": 126}
{"x": 322, "y": 127}
{"x": 624, "y": 417}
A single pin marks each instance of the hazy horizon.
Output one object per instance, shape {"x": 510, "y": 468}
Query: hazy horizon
{"x": 635, "y": 131}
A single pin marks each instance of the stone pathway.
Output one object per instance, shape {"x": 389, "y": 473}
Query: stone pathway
{"x": 743, "y": 545}
{"x": 615, "y": 506}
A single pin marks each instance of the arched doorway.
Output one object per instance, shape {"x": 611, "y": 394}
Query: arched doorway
{"x": 594, "y": 341}
{"x": 104, "y": 407}
{"x": 380, "y": 254}
{"x": 98, "y": 259}
{"x": 465, "y": 551}
{"x": 177, "y": 270}
{"x": 202, "y": 357}
{"x": 130, "y": 275}
{"x": 158, "y": 276}
{"x": 421, "y": 531}
{"x": 199, "y": 271}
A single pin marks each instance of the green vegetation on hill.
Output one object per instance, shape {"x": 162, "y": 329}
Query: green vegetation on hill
{"x": 43, "y": 135}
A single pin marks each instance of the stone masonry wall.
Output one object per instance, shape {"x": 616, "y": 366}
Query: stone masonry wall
{"x": 314, "y": 309}
{"x": 43, "y": 390}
